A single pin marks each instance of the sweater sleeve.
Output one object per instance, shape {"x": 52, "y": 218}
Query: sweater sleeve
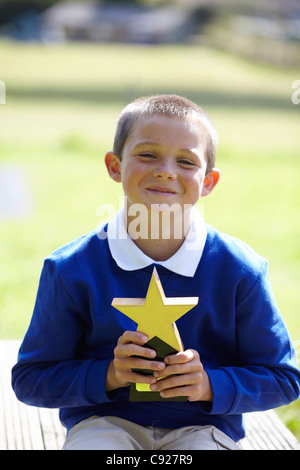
{"x": 267, "y": 374}
{"x": 50, "y": 371}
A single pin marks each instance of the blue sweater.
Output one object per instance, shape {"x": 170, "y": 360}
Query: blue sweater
{"x": 236, "y": 328}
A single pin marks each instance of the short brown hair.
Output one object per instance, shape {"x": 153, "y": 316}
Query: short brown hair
{"x": 169, "y": 105}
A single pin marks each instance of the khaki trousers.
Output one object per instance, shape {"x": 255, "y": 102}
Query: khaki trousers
{"x": 113, "y": 433}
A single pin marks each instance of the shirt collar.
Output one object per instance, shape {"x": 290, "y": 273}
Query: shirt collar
{"x": 129, "y": 257}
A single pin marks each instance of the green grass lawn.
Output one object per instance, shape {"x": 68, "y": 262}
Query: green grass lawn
{"x": 61, "y": 108}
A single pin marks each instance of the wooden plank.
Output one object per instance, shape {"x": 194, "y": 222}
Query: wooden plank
{"x": 21, "y": 425}
{"x": 53, "y": 431}
{"x": 3, "y": 426}
{"x": 15, "y": 414}
{"x": 25, "y": 427}
{"x": 266, "y": 431}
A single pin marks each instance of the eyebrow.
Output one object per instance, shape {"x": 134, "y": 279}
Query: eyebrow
{"x": 146, "y": 142}
{"x": 156, "y": 144}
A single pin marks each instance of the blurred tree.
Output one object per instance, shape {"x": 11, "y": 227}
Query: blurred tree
{"x": 10, "y": 9}
{"x": 121, "y": 2}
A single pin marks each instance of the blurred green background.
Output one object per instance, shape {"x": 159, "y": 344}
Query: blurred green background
{"x": 62, "y": 104}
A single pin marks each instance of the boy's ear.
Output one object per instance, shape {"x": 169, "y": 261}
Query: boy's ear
{"x": 113, "y": 165}
{"x": 210, "y": 181}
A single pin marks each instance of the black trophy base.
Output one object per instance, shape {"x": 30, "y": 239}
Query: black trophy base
{"x": 162, "y": 350}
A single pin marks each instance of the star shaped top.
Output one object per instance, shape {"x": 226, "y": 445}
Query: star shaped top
{"x": 156, "y": 314}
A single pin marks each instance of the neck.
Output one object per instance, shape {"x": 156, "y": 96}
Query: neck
{"x": 159, "y": 250}
{"x": 158, "y": 233}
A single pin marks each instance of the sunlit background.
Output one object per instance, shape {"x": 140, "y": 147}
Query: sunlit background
{"x": 66, "y": 71}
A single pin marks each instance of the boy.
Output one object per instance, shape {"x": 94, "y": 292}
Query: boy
{"x": 80, "y": 354}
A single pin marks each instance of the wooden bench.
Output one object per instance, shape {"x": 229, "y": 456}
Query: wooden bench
{"x": 25, "y": 427}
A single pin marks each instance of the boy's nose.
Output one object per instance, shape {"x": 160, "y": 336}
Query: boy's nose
{"x": 165, "y": 171}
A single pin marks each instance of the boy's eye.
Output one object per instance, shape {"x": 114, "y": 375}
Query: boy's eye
{"x": 147, "y": 155}
{"x": 186, "y": 162}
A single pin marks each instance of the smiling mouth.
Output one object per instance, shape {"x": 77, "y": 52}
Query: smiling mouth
{"x": 160, "y": 190}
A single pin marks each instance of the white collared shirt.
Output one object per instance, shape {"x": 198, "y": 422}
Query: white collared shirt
{"x": 129, "y": 257}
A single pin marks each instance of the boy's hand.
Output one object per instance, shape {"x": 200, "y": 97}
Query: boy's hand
{"x": 184, "y": 376}
{"x": 119, "y": 372}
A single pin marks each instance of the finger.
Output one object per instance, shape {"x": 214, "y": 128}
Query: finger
{"x": 142, "y": 379}
{"x": 129, "y": 376}
{"x": 182, "y": 357}
{"x": 131, "y": 349}
{"x": 128, "y": 363}
{"x": 135, "y": 337}
{"x": 189, "y": 392}
{"x": 130, "y": 343}
{"x": 181, "y": 369}
{"x": 177, "y": 381}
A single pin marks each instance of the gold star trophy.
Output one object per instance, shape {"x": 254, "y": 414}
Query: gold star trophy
{"x": 156, "y": 316}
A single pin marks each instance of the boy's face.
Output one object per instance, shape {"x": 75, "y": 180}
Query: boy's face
{"x": 163, "y": 161}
